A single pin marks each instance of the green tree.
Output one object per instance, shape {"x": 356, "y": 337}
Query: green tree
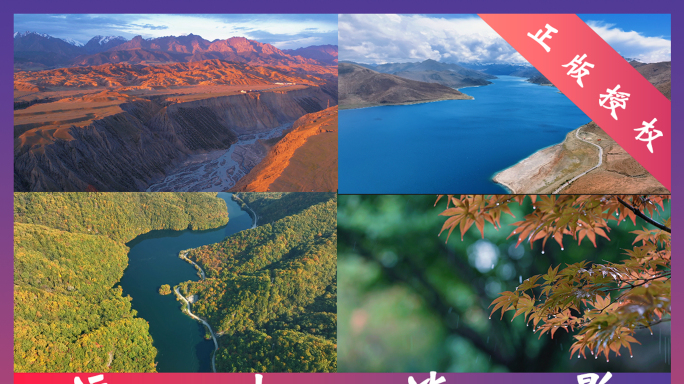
{"x": 268, "y": 290}
{"x": 165, "y": 289}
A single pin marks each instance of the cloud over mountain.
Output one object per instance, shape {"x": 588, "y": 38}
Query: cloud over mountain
{"x": 377, "y": 39}
{"x": 401, "y": 38}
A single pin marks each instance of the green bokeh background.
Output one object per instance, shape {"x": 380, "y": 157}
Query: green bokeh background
{"x": 408, "y": 302}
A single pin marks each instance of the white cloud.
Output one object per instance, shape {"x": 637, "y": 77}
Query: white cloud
{"x": 408, "y": 38}
{"x": 212, "y": 28}
{"x": 402, "y": 38}
{"x": 633, "y": 44}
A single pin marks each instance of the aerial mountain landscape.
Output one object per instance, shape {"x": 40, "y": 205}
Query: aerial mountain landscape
{"x": 254, "y": 276}
{"x": 174, "y": 113}
{"x": 323, "y": 53}
{"x": 56, "y": 53}
{"x": 464, "y": 111}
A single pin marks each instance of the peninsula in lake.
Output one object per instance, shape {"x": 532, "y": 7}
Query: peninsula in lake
{"x": 361, "y": 87}
{"x": 367, "y": 85}
{"x": 172, "y": 113}
{"x": 253, "y": 277}
{"x": 588, "y": 160}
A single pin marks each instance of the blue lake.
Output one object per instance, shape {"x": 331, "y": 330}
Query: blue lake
{"x": 453, "y": 146}
{"x": 152, "y": 261}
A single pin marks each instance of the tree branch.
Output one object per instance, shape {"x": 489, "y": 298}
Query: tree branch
{"x": 653, "y": 323}
{"x": 644, "y": 281}
{"x": 646, "y": 218}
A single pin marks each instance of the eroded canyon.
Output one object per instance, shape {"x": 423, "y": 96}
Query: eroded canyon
{"x": 180, "y": 126}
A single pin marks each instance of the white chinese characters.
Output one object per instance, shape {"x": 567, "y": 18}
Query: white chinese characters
{"x": 646, "y": 130}
{"x": 592, "y": 378}
{"x": 91, "y": 379}
{"x": 615, "y": 100}
{"x": 579, "y": 68}
{"x": 539, "y": 38}
{"x": 431, "y": 380}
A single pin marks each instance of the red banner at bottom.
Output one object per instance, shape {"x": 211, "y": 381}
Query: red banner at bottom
{"x": 342, "y": 378}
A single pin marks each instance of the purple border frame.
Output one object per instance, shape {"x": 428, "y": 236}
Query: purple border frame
{"x": 314, "y": 6}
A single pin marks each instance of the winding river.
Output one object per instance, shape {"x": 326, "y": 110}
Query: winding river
{"x": 218, "y": 170}
{"x": 153, "y": 261}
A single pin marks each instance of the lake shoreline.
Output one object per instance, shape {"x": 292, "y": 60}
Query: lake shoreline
{"x": 244, "y": 205}
{"x": 184, "y": 256}
{"x": 516, "y": 177}
{"x": 554, "y": 168}
{"x": 204, "y": 322}
{"x": 153, "y": 257}
{"x": 406, "y": 103}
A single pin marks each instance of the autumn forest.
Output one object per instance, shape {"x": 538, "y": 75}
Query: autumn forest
{"x": 269, "y": 293}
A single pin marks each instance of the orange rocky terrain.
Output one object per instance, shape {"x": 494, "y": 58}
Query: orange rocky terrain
{"x": 122, "y": 127}
{"x": 304, "y": 160}
{"x": 133, "y": 76}
{"x": 45, "y": 122}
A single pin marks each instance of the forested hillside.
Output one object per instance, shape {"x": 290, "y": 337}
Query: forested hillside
{"x": 272, "y": 206}
{"x": 271, "y": 292}
{"x": 120, "y": 216}
{"x": 69, "y": 252}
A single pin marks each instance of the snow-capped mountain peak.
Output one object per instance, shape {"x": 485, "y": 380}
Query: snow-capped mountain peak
{"x": 72, "y": 42}
{"x": 27, "y": 33}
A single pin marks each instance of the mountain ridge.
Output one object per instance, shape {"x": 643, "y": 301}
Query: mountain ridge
{"x": 35, "y": 51}
{"x": 362, "y": 87}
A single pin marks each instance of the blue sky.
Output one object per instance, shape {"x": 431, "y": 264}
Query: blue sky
{"x": 283, "y": 31}
{"x": 656, "y": 25}
{"x": 377, "y": 39}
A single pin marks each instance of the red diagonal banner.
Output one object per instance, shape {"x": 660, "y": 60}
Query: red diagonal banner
{"x": 598, "y": 80}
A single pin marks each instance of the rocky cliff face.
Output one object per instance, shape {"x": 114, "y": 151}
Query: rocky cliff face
{"x": 304, "y": 160}
{"x": 128, "y": 150}
{"x": 254, "y": 112}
